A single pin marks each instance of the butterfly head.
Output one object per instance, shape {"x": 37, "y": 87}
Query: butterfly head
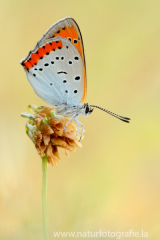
{"x": 86, "y": 110}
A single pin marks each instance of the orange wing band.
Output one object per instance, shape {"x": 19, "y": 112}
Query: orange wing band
{"x": 70, "y": 32}
{"x": 41, "y": 52}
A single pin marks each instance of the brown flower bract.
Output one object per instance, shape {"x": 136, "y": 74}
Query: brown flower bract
{"x": 50, "y": 135}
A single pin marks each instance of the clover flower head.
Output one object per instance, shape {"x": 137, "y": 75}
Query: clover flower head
{"x": 46, "y": 130}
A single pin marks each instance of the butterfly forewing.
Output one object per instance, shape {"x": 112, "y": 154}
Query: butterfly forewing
{"x": 55, "y": 70}
{"x": 68, "y": 28}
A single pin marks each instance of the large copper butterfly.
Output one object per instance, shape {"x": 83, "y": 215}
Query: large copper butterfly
{"x": 56, "y": 70}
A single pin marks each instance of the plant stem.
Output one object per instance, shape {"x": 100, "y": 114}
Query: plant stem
{"x": 44, "y": 196}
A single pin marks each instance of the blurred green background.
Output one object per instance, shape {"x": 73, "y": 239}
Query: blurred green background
{"x": 113, "y": 182}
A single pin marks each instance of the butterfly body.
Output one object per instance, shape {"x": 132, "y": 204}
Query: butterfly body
{"x": 56, "y": 70}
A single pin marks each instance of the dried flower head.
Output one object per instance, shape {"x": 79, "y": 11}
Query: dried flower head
{"x": 46, "y": 129}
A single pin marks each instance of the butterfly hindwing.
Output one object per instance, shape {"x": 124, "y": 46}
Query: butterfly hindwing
{"x": 55, "y": 70}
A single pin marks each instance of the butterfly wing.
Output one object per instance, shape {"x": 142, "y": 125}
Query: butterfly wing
{"x": 55, "y": 70}
{"x": 68, "y": 28}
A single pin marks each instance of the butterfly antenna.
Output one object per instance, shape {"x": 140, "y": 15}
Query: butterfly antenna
{"x": 124, "y": 119}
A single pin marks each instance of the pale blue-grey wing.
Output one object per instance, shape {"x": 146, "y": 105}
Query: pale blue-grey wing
{"x": 67, "y": 28}
{"x": 58, "y": 77}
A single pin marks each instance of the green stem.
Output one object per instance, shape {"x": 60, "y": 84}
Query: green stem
{"x": 44, "y": 196}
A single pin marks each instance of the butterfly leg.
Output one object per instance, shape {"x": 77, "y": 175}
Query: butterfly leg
{"x": 77, "y": 130}
{"x": 70, "y": 120}
{"x": 79, "y": 124}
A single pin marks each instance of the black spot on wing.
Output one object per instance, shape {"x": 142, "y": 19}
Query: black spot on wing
{"x": 62, "y": 72}
{"x": 77, "y": 78}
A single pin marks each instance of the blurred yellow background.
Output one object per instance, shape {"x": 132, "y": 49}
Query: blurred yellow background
{"x": 113, "y": 182}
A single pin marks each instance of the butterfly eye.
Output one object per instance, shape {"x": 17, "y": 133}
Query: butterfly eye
{"x": 86, "y": 110}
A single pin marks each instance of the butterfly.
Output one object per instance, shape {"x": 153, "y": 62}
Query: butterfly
{"x": 56, "y": 70}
